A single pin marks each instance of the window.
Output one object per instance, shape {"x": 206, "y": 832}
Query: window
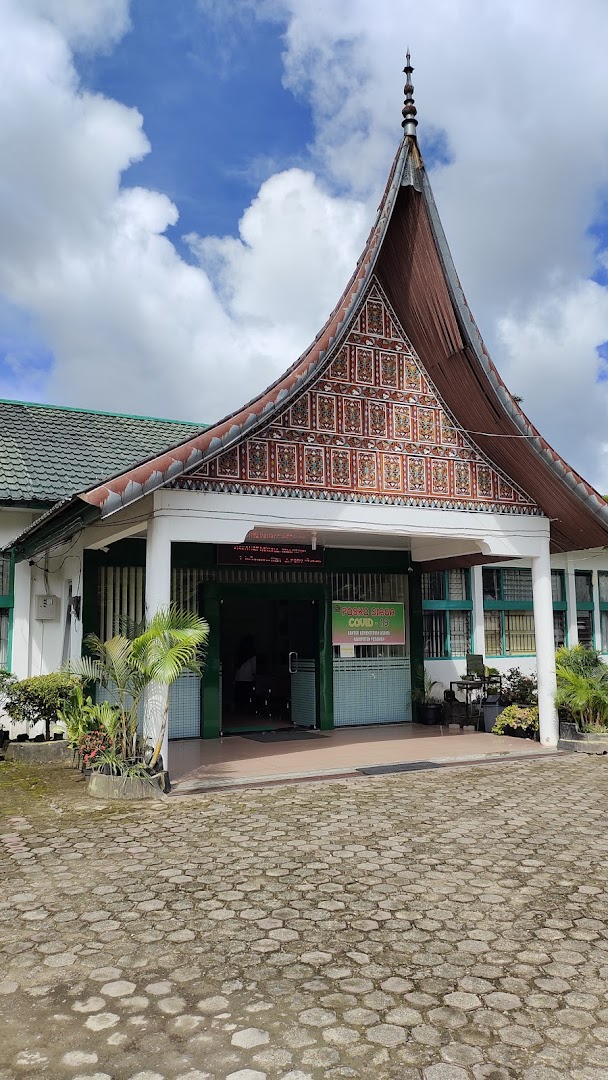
{"x": 583, "y": 580}
{"x": 6, "y": 608}
{"x": 509, "y": 611}
{"x": 446, "y": 618}
{"x": 602, "y": 579}
{"x": 559, "y": 628}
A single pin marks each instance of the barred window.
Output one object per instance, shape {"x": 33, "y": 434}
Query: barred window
{"x": 447, "y": 613}
{"x": 559, "y": 628}
{"x": 584, "y": 624}
{"x": 509, "y": 633}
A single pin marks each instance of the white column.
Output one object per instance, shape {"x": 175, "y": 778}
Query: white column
{"x": 479, "y": 631}
{"x": 572, "y": 624}
{"x": 158, "y": 595}
{"x": 545, "y": 646}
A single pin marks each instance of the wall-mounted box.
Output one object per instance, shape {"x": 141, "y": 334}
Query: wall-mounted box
{"x": 47, "y": 607}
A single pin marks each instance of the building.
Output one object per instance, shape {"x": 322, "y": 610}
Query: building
{"x": 371, "y": 506}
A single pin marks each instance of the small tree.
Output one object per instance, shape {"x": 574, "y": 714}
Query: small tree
{"x": 39, "y": 699}
{"x": 127, "y": 666}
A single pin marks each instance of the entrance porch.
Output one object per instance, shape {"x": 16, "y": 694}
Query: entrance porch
{"x": 271, "y": 611}
{"x": 198, "y": 764}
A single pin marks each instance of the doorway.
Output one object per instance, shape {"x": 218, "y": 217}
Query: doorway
{"x": 268, "y": 658}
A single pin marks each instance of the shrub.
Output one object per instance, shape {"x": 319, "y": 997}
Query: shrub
{"x": 579, "y": 659}
{"x": 517, "y": 720}
{"x": 39, "y": 700}
{"x": 519, "y": 689}
{"x": 91, "y": 745}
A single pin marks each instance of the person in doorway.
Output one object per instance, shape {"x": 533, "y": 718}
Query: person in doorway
{"x": 245, "y": 675}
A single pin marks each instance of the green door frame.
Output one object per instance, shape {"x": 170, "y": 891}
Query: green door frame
{"x": 211, "y": 595}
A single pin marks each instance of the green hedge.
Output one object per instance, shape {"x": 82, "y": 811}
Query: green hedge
{"x": 38, "y": 699}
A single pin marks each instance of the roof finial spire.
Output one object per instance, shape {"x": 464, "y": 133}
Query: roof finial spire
{"x": 409, "y": 122}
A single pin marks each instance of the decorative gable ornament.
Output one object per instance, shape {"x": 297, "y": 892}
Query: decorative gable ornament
{"x": 371, "y": 428}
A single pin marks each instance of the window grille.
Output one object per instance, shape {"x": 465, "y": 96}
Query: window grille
{"x": 460, "y": 632}
{"x": 121, "y": 598}
{"x": 433, "y": 585}
{"x": 4, "y": 624}
{"x": 493, "y": 633}
{"x": 584, "y": 623}
{"x": 559, "y": 628}
{"x": 458, "y": 584}
{"x": 446, "y": 604}
{"x": 434, "y": 634}
{"x": 516, "y": 584}
{"x": 491, "y": 584}
{"x": 558, "y": 586}
{"x": 5, "y": 574}
{"x": 519, "y": 633}
{"x": 583, "y": 585}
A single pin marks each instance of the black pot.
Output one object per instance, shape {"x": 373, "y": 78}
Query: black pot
{"x": 24, "y": 737}
{"x": 430, "y": 712}
{"x": 58, "y": 736}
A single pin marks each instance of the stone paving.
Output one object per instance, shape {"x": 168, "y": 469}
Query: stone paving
{"x": 439, "y": 926}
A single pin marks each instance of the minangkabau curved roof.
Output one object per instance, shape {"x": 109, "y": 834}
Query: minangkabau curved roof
{"x": 408, "y": 252}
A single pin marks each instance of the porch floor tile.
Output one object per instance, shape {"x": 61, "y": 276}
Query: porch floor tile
{"x": 234, "y": 759}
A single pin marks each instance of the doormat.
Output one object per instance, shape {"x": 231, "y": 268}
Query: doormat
{"x": 409, "y": 766}
{"x": 283, "y": 736}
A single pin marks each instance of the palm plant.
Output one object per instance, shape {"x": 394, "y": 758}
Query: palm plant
{"x": 584, "y": 696}
{"x": 582, "y": 686}
{"x": 170, "y": 645}
{"x": 127, "y": 666}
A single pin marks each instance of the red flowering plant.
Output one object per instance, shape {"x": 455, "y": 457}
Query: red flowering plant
{"x": 91, "y": 745}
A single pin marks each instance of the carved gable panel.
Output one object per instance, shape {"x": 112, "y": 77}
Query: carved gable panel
{"x": 371, "y": 428}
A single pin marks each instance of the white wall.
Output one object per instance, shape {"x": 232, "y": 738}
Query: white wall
{"x": 37, "y": 647}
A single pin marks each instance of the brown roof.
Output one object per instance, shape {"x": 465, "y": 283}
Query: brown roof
{"x": 408, "y": 252}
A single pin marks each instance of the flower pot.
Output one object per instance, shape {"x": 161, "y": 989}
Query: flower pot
{"x": 430, "y": 712}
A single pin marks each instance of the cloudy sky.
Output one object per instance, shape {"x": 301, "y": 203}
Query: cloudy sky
{"x": 186, "y": 188}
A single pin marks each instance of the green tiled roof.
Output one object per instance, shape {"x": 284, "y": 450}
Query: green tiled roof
{"x": 48, "y": 452}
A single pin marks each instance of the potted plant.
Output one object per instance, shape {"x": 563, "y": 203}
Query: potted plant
{"x": 429, "y": 708}
{"x": 582, "y": 700}
{"x": 514, "y": 710}
{"x": 122, "y": 764}
{"x": 518, "y": 720}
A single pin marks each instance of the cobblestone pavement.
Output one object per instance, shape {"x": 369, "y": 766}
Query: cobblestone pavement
{"x": 441, "y": 926}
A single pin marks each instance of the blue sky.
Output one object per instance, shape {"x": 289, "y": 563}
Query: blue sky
{"x": 187, "y": 187}
{"x": 216, "y": 112}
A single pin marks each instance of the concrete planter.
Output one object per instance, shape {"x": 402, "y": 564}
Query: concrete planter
{"x": 126, "y": 788}
{"x": 40, "y": 753}
{"x": 582, "y": 742}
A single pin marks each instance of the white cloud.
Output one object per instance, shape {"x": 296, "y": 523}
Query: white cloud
{"x": 132, "y": 325}
{"x": 555, "y": 343}
{"x": 515, "y": 86}
{"x": 85, "y": 24}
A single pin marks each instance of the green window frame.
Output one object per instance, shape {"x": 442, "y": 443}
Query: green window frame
{"x": 509, "y": 611}
{"x": 447, "y": 613}
{"x": 7, "y": 603}
{"x": 602, "y": 581}
{"x": 585, "y": 622}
